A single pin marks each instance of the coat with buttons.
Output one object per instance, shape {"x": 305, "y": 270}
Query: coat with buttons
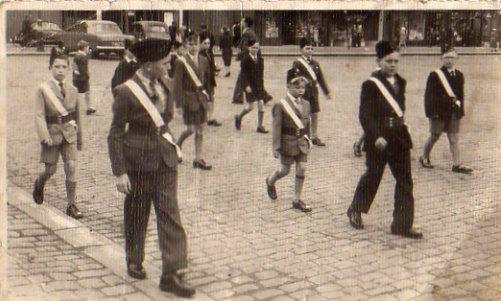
{"x": 437, "y": 103}
{"x": 311, "y": 91}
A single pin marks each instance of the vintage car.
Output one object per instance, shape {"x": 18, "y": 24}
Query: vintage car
{"x": 150, "y": 29}
{"x": 104, "y": 37}
{"x": 41, "y": 31}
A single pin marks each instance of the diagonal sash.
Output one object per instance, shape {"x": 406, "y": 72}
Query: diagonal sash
{"x": 193, "y": 75}
{"x": 153, "y": 112}
{"x": 308, "y": 68}
{"x": 446, "y": 85}
{"x": 295, "y": 119}
{"x": 54, "y": 100}
{"x": 389, "y": 98}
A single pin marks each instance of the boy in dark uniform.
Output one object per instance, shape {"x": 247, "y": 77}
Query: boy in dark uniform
{"x": 81, "y": 75}
{"x": 126, "y": 68}
{"x": 387, "y": 141}
{"x": 59, "y": 129}
{"x": 444, "y": 106}
{"x": 206, "y": 51}
{"x": 144, "y": 161}
{"x": 291, "y": 142}
{"x": 193, "y": 97}
{"x": 252, "y": 71}
{"x": 310, "y": 68}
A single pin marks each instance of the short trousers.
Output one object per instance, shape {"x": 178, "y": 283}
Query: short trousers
{"x": 50, "y": 154}
{"x": 437, "y": 126}
{"x": 314, "y": 105}
{"x": 82, "y": 86}
{"x": 288, "y": 160}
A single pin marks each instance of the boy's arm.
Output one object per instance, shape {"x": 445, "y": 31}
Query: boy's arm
{"x": 277, "y": 127}
{"x": 322, "y": 82}
{"x": 78, "y": 111}
{"x": 40, "y": 122}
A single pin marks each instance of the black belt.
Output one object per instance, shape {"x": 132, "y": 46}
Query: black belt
{"x": 147, "y": 130}
{"x": 393, "y": 122}
{"x": 293, "y": 132}
{"x": 61, "y": 119}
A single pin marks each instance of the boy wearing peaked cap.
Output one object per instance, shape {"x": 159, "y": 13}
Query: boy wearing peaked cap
{"x": 386, "y": 141}
{"x": 59, "y": 129}
{"x": 144, "y": 162}
{"x": 291, "y": 142}
{"x": 444, "y": 106}
{"x": 310, "y": 68}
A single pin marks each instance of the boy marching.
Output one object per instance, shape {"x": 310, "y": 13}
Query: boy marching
{"x": 444, "y": 106}
{"x": 310, "y": 68}
{"x": 291, "y": 142}
{"x": 81, "y": 75}
{"x": 59, "y": 129}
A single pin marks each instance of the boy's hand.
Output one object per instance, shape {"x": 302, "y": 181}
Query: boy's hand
{"x": 123, "y": 184}
{"x": 381, "y": 143}
{"x": 328, "y": 97}
{"x": 47, "y": 142}
{"x": 248, "y": 89}
{"x": 276, "y": 154}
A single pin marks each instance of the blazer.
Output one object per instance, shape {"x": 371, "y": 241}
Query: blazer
{"x": 437, "y": 103}
{"x": 252, "y": 73}
{"x": 287, "y": 144}
{"x": 140, "y": 147}
{"x": 212, "y": 68}
{"x": 82, "y": 65}
{"x": 186, "y": 93}
{"x": 375, "y": 111}
{"x": 125, "y": 70}
{"x": 44, "y": 108}
{"x": 311, "y": 92}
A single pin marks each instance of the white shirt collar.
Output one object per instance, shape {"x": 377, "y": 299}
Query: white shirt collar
{"x": 294, "y": 99}
{"x": 306, "y": 58}
{"x": 146, "y": 81}
{"x": 56, "y": 81}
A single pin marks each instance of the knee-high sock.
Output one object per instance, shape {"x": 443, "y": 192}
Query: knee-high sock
{"x": 298, "y": 187}
{"x": 71, "y": 188}
{"x": 198, "y": 146}
{"x": 244, "y": 112}
{"x": 429, "y": 146}
{"x": 183, "y": 137}
{"x": 260, "y": 118}
{"x": 314, "y": 125}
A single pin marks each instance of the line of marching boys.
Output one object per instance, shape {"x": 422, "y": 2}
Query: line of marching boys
{"x": 156, "y": 78}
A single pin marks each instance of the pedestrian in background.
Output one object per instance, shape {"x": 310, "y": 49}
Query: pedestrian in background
{"x": 81, "y": 75}
{"x": 444, "y": 106}
{"x": 226, "y": 46}
{"x": 126, "y": 68}
{"x": 57, "y": 118}
{"x": 205, "y": 43}
{"x": 248, "y": 34}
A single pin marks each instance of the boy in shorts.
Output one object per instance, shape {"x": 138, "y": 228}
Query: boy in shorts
{"x": 59, "y": 130}
{"x": 291, "y": 142}
{"x": 81, "y": 74}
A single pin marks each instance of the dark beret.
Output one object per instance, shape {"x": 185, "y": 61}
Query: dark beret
{"x": 57, "y": 53}
{"x": 250, "y": 42}
{"x": 294, "y": 74}
{"x": 305, "y": 42}
{"x": 445, "y": 47}
{"x": 383, "y": 48}
{"x": 151, "y": 50}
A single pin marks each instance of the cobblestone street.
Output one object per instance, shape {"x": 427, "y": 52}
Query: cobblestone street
{"x": 242, "y": 245}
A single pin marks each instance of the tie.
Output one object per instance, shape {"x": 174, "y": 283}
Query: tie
{"x": 61, "y": 86}
{"x": 154, "y": 94}
{"x": 453, "y": 73}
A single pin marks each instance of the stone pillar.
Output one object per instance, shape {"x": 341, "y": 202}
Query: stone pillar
{"x": 380, "y": 30}
{"x": 99, "y": 14}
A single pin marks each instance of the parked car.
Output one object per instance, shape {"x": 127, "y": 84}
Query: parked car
{"x": 43, "y": 31}
{"x": 104, "y": 37}
{"x": 150, "y": 29}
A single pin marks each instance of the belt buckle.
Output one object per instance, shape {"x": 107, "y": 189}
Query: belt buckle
{"x": 390, "y": 122}
{"x": 60, "y": 119}
{"x": 298, "y": 132}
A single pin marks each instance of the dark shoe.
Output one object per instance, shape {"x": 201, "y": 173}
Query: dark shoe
{"x": 462, "y": 169}
{"x": 238, "y": 102}
{"x": 238, "y": 122}
{"x": 425, "y": 162}
{"x": 357, "y": 150}
{"x": 91, "y": 111}
{"x": 300, "y": 205}
{"x": 173, "y": 284}
{"x": 136, "y": 271}
{"x": 407, "y": 233}
{"x": 38, "y": 193}
{"x": 73, "y": 211}
{"x": 262, "y": 130}
{"x": 227, "y": 74}
{"x": 272, "y": 191}
{"x": 213, "y": 122}
{"x": 201, "y": 164}
{"x": 355, "y": 219}
{"x": 316, "y": 141}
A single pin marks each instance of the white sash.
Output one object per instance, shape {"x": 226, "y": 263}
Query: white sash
{"x": 294, "y": 118}
{"x": 308, "y": 68}
{"x": 389, "y": 98}
{"x": 445, "y": 83}
{"x": 153, "y": 112}
{"x": 49, "y": 94}
{"x": 193, "y": 75}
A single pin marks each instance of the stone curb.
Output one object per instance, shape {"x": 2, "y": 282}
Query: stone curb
{"x": 90, "y": 243}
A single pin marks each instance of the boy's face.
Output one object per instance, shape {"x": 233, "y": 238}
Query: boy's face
{"x": 307, "y": 50}
{"x": 449, "y": 60}
{"x": 254, "y": 49}
{"x": 192, "y": 47}
{"x": 59, "y": 69}
{"x": 160, "y": 67}
{"x": 205, "y": 44}
{"x": 389, "y": 64}
{"x": 297, "y": 88}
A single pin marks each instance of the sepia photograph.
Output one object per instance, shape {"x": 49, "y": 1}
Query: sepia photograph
{"x": 250, "y": 150}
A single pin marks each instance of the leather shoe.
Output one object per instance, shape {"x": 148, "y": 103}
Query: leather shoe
{"x": 272, "y": 191}
{"x": 238, "y": 122}
{"x": 462, "y": 169}
{"x": 213, "y": 122}
{"x": 355, "y": 219}
{"x": 38, "y": 193}
{"x": 316, "y": 141}
{"x": 425, "y": 162}
{"x": 136, "y": 271}
{"x": 407, "y": 233}
{"x": 357, "y": 150}
{"x": 262, "y": 130}
{"x": 73, "y": 211}
{"x": 301, "y": 206}
{"x": 201, "y": 164}
{"x": 91, "y": 111}
{"x": 173, "y": 284}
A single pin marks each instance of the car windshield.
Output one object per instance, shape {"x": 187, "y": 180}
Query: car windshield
{"x": 157, "y": 28}
{"x": 45, "y": 26}
{"x": 104, "y": 28}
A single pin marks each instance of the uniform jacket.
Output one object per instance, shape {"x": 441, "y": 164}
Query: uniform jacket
{"x": 212, "y": 68}
{"x": 311, "y": 91}
{"x": 186, "y": 93}
{"x": 82, "y": 66}
{"x": 252, "y": 73}
{"x": 140, "y": 148}
{"x": 44, "y": 108}
{"x": 437, "y": 102}
{"x": 125, "y": 70}
{"x": 286, "y": 144}
{"x": 375, "y": 110}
